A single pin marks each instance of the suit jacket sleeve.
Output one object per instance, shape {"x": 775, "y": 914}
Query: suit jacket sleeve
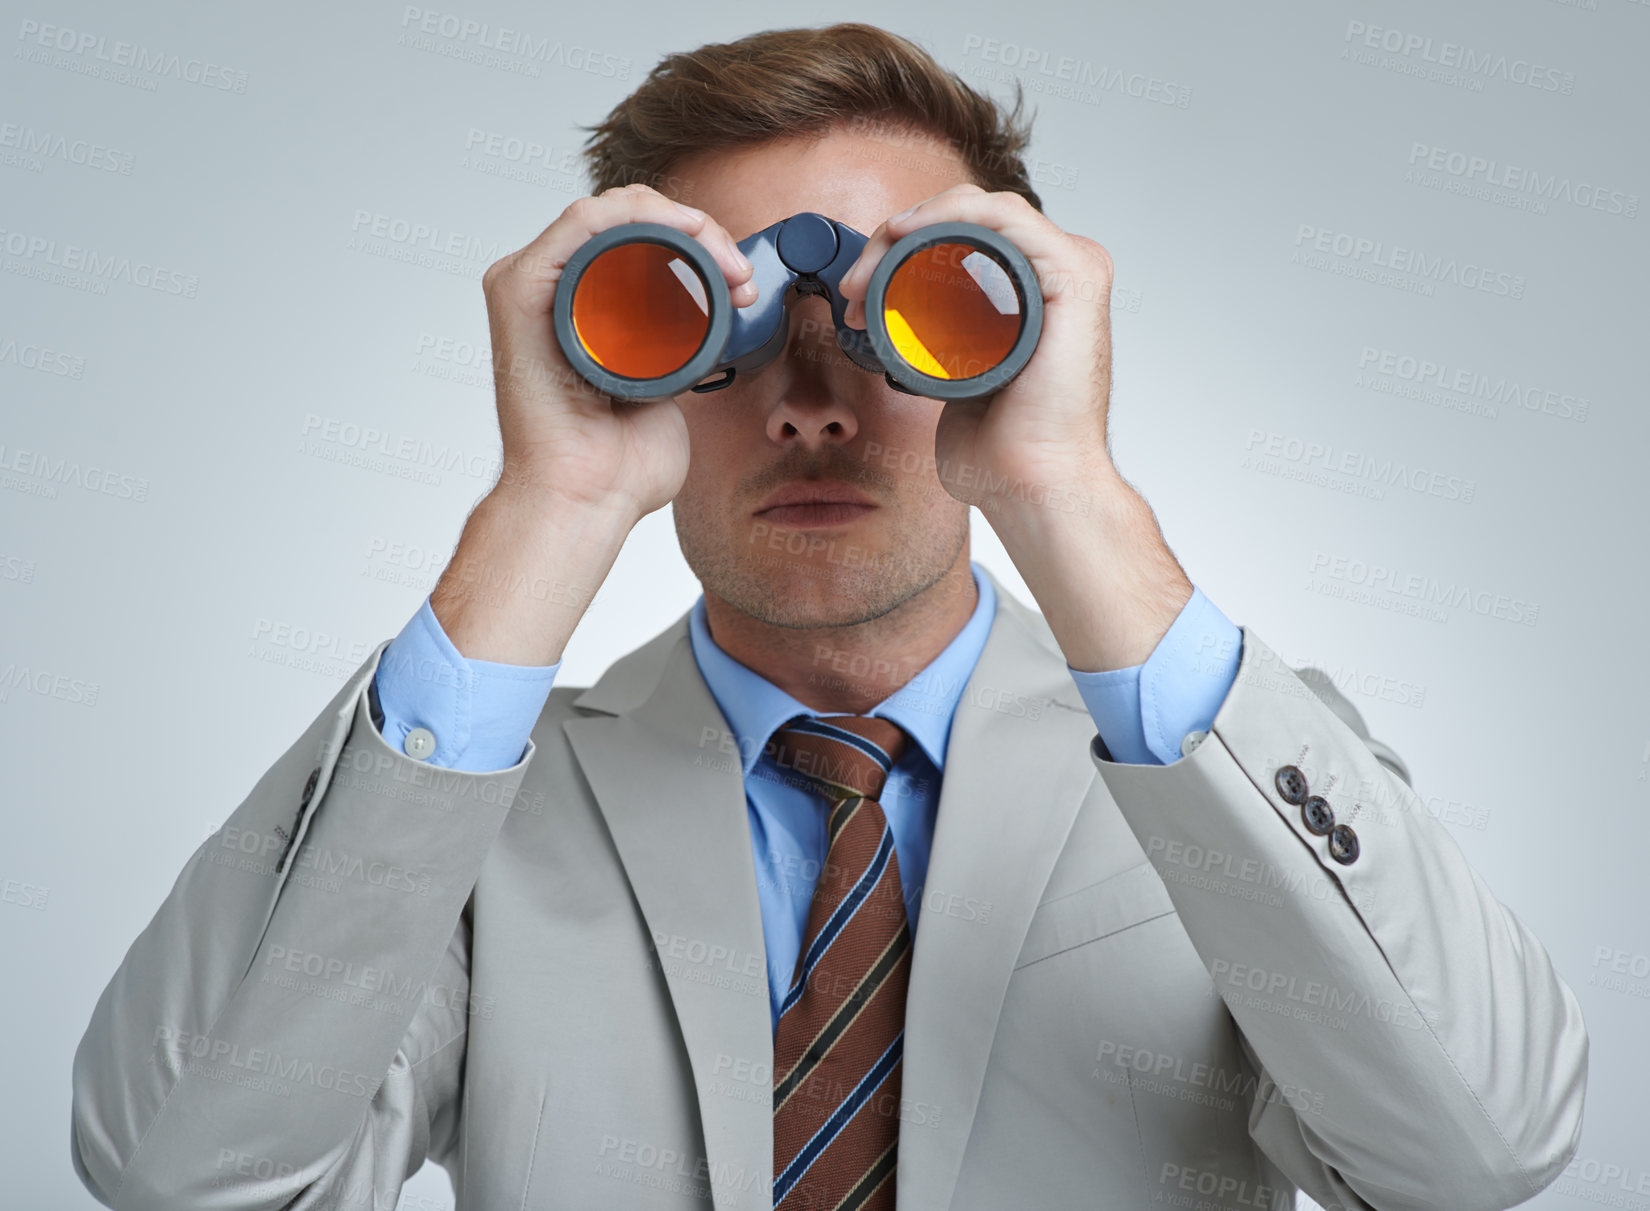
{"x": 1447, "y": 1060}
{"x": 288, "y": 1031}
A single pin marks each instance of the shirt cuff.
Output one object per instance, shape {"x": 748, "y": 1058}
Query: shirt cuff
{"x": 1144, "y": 712}
{"x": 480, "y": 712}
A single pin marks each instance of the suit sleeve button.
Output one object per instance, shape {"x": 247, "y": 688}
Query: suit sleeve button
{"x": 1343, "y": 845}
{"x": 1318, "y": 815}
{"x": 1291, "y": 784}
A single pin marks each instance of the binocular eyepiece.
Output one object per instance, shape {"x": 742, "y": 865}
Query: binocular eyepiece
{"x": 642, "y": 311}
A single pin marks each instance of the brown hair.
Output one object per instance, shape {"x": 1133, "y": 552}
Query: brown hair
{"x": 787, "y": 83}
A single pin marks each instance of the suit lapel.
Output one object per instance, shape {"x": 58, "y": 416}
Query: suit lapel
{"x": 674, "y": 802}
{"x": 1017, "y": 768}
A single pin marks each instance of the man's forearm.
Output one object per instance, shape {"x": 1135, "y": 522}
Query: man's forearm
{"x": 1103, "y": 577}
{"x": 525, "y": 569}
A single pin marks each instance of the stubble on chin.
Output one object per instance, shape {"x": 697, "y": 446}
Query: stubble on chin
{"x": 845, "y": 584}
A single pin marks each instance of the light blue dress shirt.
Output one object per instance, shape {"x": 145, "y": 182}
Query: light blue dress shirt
{"x": 788, "y": 819}
{"x": 481, "y": 713}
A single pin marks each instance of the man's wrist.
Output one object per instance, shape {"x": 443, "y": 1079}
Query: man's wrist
{"x": 524, "y": 571}
{"x": 1104, "y": 579}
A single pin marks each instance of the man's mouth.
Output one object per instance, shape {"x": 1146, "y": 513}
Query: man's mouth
{"x": 823, "y": 504}
{"x": 822, "y": 513}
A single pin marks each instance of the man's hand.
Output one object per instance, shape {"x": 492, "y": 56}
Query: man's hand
{"x": 1034, "y": 457}
{"x": 580, "y": 468}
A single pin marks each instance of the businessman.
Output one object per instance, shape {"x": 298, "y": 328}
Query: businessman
{"x": 862, "y": 884}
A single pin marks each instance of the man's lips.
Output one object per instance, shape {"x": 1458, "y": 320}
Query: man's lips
{"x": 819, "y": 513}
{"x": 814, "y": 505}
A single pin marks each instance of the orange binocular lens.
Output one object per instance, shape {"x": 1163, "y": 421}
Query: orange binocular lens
{"x": 951, "y": 311}
{"x": 640, "y": 310}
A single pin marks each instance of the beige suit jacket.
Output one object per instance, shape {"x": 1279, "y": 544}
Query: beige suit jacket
{"x": 1132, "y": 985}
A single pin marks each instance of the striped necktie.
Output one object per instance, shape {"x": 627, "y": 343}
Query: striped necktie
{"x": 837, "y": 1048}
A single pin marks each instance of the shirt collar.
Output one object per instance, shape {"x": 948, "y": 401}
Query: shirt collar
{"x": 924, "y": 706}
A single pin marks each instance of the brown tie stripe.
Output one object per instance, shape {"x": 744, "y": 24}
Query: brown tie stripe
{"x": 838, "y": 1046}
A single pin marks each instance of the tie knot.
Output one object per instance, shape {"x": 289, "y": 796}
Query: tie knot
{"x": 842, "y": 756}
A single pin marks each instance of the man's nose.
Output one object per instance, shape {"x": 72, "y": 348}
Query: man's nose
{"x": 812, "y": 410}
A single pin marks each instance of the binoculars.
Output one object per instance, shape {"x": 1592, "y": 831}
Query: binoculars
{"x": 952, "y": 311}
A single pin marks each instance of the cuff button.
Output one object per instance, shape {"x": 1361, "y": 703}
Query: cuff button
{"x": 1291, "y": 785}
{"x": 1343, "y": 845}
{"x": 1318, "y": 816}
{"x": 420, "y": 743}
{"x": 1190, "y": 741}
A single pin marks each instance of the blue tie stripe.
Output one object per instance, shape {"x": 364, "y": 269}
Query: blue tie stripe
{"x": 824, "y": 727}
{"x": 843, "y": 1115}
{"x": 839, "y": 919}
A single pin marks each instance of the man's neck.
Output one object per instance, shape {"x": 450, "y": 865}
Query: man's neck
{"x": 849, "y": 668}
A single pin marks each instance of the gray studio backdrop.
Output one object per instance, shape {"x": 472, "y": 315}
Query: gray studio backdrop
{"x": 1379, "y": 323}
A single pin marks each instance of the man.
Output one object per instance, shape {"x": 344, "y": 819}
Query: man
{"x": 830, "y": 894}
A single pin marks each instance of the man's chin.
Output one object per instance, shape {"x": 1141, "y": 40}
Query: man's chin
{"x": 816, "y": 592}
{"x": 815, "y": 586}
{"x": 812, "y": 579}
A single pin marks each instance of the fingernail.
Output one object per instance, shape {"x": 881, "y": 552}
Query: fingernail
{"x": 688, "y": 210}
